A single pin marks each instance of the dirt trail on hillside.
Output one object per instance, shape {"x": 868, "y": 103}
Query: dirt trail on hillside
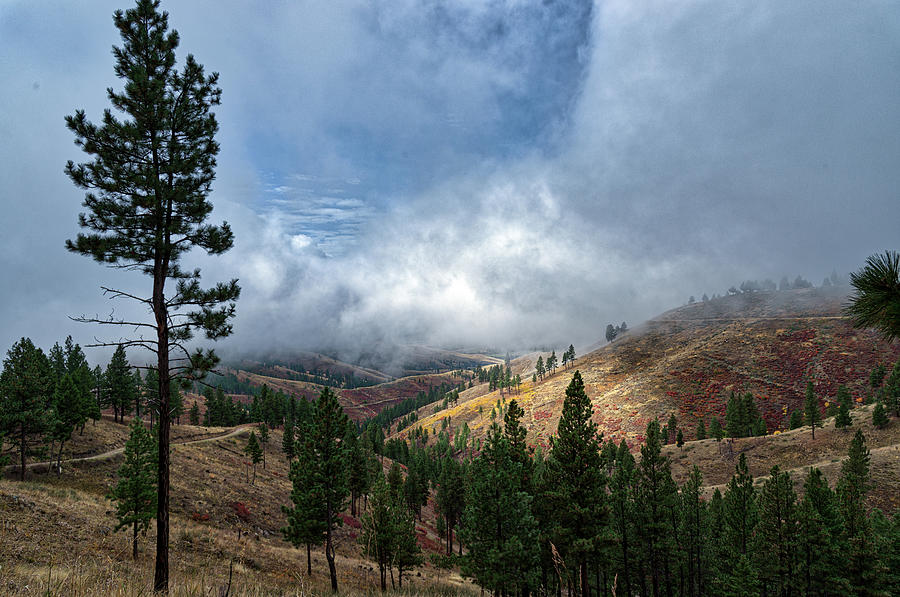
{"x": 797, "y": 473}
{"x": 104, "y": 456}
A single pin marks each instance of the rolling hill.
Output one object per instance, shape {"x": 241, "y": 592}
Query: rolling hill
{"x": 687, "y": 361}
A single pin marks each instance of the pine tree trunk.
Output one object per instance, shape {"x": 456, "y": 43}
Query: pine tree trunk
{"x": 585, "y": 583}
{"x": 329, "y": 553}
{"x": 134, "y": 542}
{"x": 22, "y": 450}
{"x": 308, "y": 560}
{"x": 161, "y": 574}
{"x": 59, "y": 459}
{"x": 449, "y": 539}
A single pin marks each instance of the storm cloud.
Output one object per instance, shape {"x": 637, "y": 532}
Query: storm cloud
{"x": 508, "y": 173}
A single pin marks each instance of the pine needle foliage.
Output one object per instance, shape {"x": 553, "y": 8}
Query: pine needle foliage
{"x": 876, "y": 301}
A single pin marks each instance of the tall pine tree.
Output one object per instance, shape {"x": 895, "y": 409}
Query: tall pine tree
{"x": 306, "y": 519}
{"x": 120, "y": 384}
{"x": 852, "y": 489}
{"x": 146, "y": 206}
{"x": 580, "y": 489}
{"x": 498, "y": 526}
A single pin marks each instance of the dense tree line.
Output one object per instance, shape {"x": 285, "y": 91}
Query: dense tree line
{"x": 613, "y": 331}
{"x": 332, "y": 379}
{"x": 590, "y": 518}
{"x": 46, "y": 397}
{"x": 444, "y": 392}
{"x": 769, "y": 285}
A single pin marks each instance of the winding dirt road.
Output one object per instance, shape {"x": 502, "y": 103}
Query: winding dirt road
{"x": 104, "y": 456}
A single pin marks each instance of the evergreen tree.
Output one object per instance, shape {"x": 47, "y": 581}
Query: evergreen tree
{"x": 741, "y": 513}
{"x": 120, "y": 384}
{"x": 656, "y": 498}
{"x": 407, "y": 554}
{"x": 377, "y": 538}
{"x": 147, "y": 184}
{"x": 776, "y": 534}
{"x": 135, "y": 493}
{"x": 891, "y": 391}
{"x": 515, "y": 434}
{"x": 852, "y": 488}
{"x": 819, "y": 538}
{"x": 738, "y": 575}
{"x": 735, "y": 417}
{"x": 4, "y": 459}
{"x": 679, "y": 439}
{"x": 622, "y": 515}
{"x": 811, "y": 408}
{"x": 254, "y": 452}
{"x": 540, "y": 367}
{"x": 879, "y": 418}
{"x": 580, "y": 490}
{"x": 395, "y": 482}
{"x": 876, "y": 300}
{"x": 876, "y": 377}
{"x": 753, "y": 421}
{"x": 692, "y": 528}
{"x": 306, "y": 519}
{"x": 451, "y": 497}
{"x": 415, "y": 491}
{"x": 141, "y": 396}
{"x": 287, "y": 441}
{"x": 672, "y": 426}
{"x": 263, "y": 441}
{"x": 26, "y": 390}
{"x": 610, "y": 332}
{"x": 57, "y": 361}
{"x": 715, "y": 429}
{"x": 842, "y": 419}
{"x": 195, "y": 413}
{"x": 796, "y": 420}
{"x": 331, "y": 458}
{"x": 67, "y": 415}
{"x": 98, "y": 381}
{"x": 84, "y": 406}
{"x": 701, "y": 429}
{"x": 886, "y": 535}
{"x": 497, "y": 524}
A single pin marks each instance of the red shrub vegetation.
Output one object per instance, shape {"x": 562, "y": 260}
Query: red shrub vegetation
{"x": 242, "y": 511}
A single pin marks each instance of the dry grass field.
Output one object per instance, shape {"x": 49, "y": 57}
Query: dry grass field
{"x": 58, "y": 532}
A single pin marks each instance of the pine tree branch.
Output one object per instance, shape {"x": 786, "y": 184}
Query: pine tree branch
{"x": 121, "y": 293}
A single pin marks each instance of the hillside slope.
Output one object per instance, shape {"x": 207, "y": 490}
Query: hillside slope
{"x": 687, "y": 361}
{"x": 62, "y": 528}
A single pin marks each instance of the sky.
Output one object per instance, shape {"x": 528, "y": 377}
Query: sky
{"x": 502, "y": 174}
